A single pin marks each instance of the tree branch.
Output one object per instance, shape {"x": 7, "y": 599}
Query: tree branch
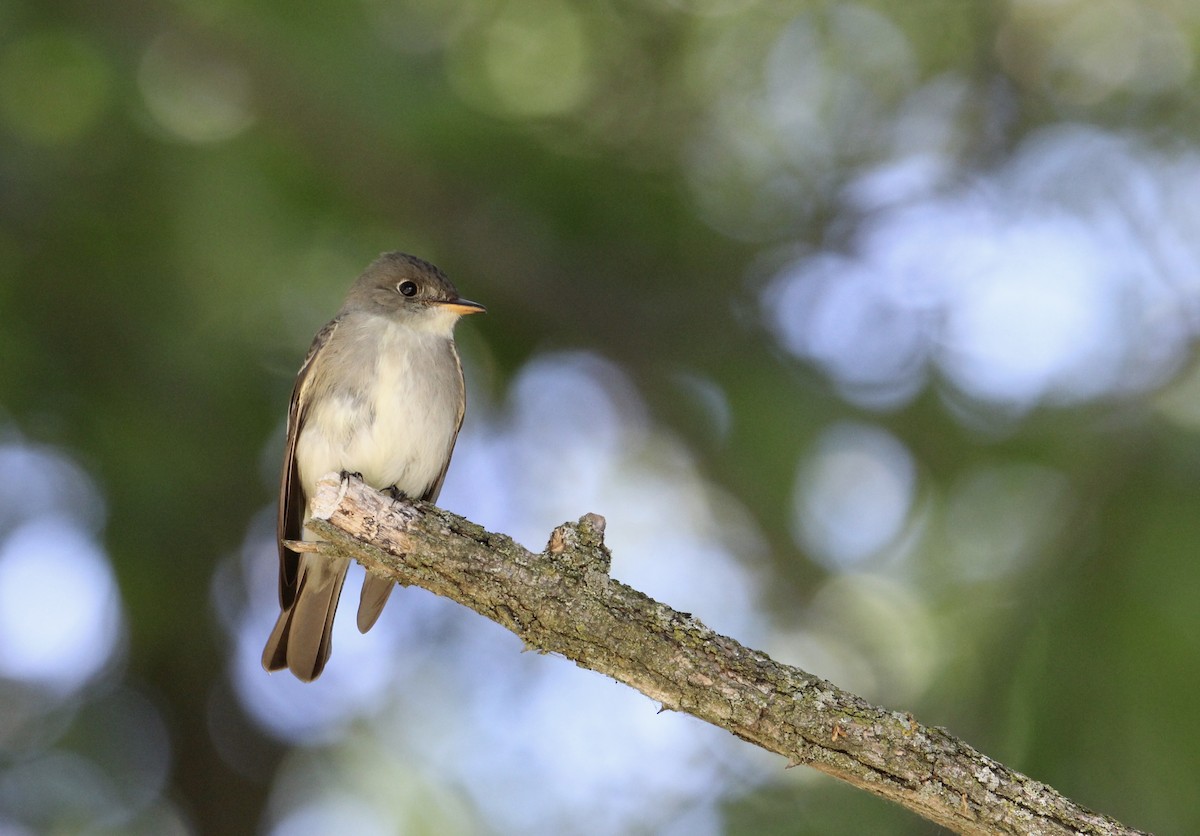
{"x": 564, "y": 601}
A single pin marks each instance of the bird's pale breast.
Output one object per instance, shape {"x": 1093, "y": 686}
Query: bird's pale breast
{"x": 392, "y": 416}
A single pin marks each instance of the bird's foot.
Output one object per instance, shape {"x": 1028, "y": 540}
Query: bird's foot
{"x": 346, "y": 474}
{"x": 395, "y": 493}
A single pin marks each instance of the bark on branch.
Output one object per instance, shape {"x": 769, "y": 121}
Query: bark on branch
{"x": 564, "y": 601}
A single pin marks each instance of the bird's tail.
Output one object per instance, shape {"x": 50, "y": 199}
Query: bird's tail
{"x": 375, "y": 592}
{"x": 300, "y": 640}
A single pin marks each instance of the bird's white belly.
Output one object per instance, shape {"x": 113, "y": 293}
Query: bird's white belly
{"x": 396, "y": 430}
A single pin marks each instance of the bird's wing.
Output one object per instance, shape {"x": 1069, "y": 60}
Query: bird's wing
{"x": 431, "y": 494}
{"x": 291, "y": 493}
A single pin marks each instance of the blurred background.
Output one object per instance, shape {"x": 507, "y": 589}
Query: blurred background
{"x": 869, "y": 327}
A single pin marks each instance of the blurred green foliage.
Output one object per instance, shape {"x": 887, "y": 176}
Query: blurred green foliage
{"x": 187, "y": 188}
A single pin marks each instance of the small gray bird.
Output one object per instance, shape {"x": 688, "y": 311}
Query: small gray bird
{"x": 380, "y": 394}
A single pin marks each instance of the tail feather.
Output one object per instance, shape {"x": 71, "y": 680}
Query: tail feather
{"x": 301, "y": 638}
{"x": 375, "y": 592}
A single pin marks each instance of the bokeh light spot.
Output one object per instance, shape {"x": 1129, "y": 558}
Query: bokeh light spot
{"x": 59, "y": 606}
{"x": 789, "y": 112}
{"x": 532, "y": 59}
{"x": 889, "y": 624}
{"x": 853, "y": 494}
{"x": 1036, "y": 310}
{"x": 1066, "y": 275}
{"x": 333, "y": 815}
{"x": 1084, "y": 51}
{"x": 193, "y": 96}
{"x": 997, "y": 516}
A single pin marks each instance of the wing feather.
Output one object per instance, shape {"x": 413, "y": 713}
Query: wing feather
{"x": 431, "y": 494}
{"x": 290, "y": 522}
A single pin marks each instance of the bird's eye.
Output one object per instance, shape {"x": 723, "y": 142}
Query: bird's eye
{"x": 407, "y": 288}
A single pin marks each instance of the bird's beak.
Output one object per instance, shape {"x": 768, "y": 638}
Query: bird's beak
{"x": 462, "y": 307}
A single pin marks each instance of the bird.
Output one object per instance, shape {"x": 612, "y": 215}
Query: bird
{"x": 380, "y": 394}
